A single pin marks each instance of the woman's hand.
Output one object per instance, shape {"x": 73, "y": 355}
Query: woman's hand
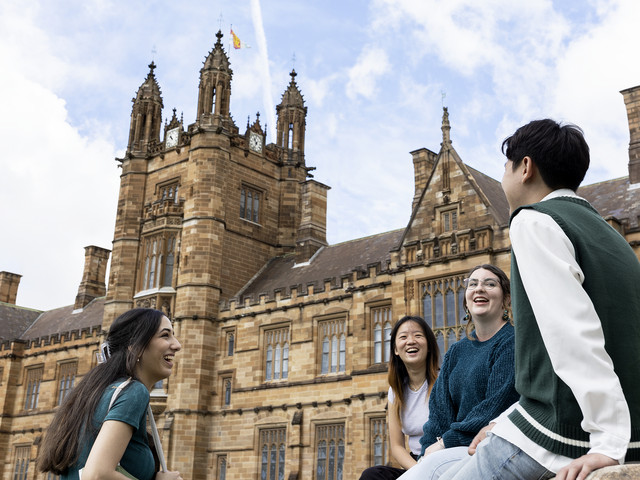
{"x": 434, "y": 447}
{"x": 168, "y": 476}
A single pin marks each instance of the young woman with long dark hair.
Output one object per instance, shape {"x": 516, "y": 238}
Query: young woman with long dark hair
{"x": 85, "y": 433}
{"x": 413, "y": 369}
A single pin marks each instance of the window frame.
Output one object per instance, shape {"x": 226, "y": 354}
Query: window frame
{"x": 278, "y": 356}
{"x": 386, "y": 325}
{"x": 22, "y": 459}
{"x": 246, "y": 205}
{"x": 443, "y": 293}
{"x": 65, "y": 369}
{"x": 32, "y": 379}
{"x": 332, "y": 332}
{"x": 268, "y": 436}
{"x": 330, "y": 431}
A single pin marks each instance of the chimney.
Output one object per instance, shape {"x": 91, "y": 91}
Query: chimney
{"x": 312, "y": 233}
{"x": 423, "y": 162}
{"x": 9, "y": 287}
{"x": 93, "y": 277}
{"x": 632, "y": 102}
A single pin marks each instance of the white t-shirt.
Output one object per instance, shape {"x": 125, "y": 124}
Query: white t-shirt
{"x": 414, "y": 414}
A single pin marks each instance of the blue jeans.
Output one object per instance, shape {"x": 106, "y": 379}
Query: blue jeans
{"x": 435, "y": 464}
{"x": 497, "y": 459}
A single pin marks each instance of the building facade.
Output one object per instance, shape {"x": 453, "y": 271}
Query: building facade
{"x": 285, "y": 338}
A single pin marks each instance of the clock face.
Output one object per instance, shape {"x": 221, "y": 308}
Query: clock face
{"x": 171, "y": 139}
{"x": 255, "y": 142}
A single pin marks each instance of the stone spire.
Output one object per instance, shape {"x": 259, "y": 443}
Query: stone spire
{"x": 146, "y": 115}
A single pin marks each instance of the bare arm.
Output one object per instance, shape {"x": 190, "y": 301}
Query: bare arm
{"x": 107, "y": 450}
{"x": 397, "y": 441}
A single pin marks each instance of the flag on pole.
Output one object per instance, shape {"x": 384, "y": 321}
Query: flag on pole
{"x": 237, "y": 43}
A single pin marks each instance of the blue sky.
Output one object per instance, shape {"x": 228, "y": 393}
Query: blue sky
{"x": 372, "y": 73}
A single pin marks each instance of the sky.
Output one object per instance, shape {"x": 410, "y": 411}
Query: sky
{"x": 375, "y": 76}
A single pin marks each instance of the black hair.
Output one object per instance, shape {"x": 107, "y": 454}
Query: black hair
{"x": 560, "y": 152}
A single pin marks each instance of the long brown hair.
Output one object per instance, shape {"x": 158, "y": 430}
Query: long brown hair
{"x": 398, "y": 374}
{"x": 128, "y": 337}
{"x": 506, "y": 294}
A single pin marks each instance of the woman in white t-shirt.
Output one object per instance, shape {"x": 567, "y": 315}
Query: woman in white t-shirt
{"x": 413, "y": 369}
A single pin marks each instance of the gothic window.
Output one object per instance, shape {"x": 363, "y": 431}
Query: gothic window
{"x": 33, "y": 380}
{"x": 21, "y": 468}
{"x": 222, "y": 467}
{"x": 169, "y": 191}
{"x": 159, "y": 253}
{"x": 443, "y": 309}
{"x": 449, "y": 220}
{"x": 290, "y": 137}
{"x": 250, "y": 204}
{"x": 381, "y": 327}
{"x": 329, "y": 452}
{"x": 272, "y": 453}
{"x": 231, "y": 340}
{"x": 277, "y": 354}
{"x": 226, "y": 383}
{"x": 379, "y": 441}
{"x": 67, "y": 379}
{"x": 332, "y": 334}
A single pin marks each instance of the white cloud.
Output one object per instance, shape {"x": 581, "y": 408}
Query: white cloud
{"x": 372, "y": 63}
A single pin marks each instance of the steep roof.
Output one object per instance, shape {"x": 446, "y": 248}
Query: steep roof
{"x": 492, "y": 188}
{"x": 15, "y": 320}
{"x": 329, "y": 262}
{"x": 63, "y": 319}
{"x": 615, "y": 198}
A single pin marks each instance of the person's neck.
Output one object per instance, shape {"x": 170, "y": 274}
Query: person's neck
{"x": 417, "y": 376}
{"x": 486, "y": 330}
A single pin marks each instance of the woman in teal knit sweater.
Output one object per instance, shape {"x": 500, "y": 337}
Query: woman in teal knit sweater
{"x": 476, "y": 381}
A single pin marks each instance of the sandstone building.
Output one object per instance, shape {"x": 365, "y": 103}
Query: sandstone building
{"x": 285, "y": 338}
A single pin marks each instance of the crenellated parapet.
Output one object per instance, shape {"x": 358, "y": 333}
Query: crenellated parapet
{"x": 64, "y": 340}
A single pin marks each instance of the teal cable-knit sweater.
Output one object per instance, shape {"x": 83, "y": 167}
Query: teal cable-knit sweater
{"x": 475, "y": 385}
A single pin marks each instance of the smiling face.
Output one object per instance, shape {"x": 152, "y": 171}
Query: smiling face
{"x": 411, "y": 344}
{"x": 156, "y": 362}
{"x": 485, "y": 304}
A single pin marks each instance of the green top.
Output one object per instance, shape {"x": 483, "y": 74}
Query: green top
{"x": 130, "y": 407}
{"x": 611, "y": 277}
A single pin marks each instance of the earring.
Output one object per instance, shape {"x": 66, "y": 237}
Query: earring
{"x": 505, "y": 315}
{"x": 467, "y": 316}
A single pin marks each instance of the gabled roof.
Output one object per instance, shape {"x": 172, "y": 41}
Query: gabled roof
{"x": 63, "y": 319}
{"x": 494, "y": 193}
{"x": 615, "y": 198}
{"x": 15, "y": 320}
{"x": 329, "y": 262}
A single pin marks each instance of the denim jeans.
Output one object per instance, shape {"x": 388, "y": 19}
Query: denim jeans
{"x": 497, "y": 459}
{"x": 435, "y": 464}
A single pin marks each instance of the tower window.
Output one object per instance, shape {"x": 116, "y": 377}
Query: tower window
{"x": 159, "y": 253}
{"x": 290, "y": 137}
{"x": 250, "y": 204}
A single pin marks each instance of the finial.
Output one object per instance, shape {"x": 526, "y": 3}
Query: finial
{"x": 293, "y": 75}
{"x": 219, "y": 36}
{"x": 152, "y": 66}
{"x": 248, "y": 121}
{"x": 257, "y": 116}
